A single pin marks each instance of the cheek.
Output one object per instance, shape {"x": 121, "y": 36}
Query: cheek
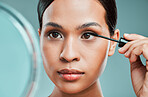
{"x": 96, "y": 59}
{"x": 50, "y": 55}
{"x": 51, "y": 51}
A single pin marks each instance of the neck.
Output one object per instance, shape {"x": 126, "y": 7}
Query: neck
{"x": 93, "y": 91}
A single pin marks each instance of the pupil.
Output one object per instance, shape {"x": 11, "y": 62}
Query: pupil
{"x": 86, "y": 36}
{"x": 55, "y": 35}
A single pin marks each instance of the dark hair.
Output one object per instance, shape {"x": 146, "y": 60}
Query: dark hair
{"x": 109, "y": 6}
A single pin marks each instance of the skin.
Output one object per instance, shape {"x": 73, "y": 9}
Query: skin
{"x": 85, "y": 54}
{"x": 139, "y": 73}
{"x": 89, "y": 54}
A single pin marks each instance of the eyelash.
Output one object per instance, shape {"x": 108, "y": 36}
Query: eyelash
{"x": 61, "y": 36}
{"x": 86, "y": 33}
{"x": 53, "y": 32}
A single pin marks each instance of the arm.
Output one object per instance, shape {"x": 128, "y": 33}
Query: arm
{"x": 139, "y": 73}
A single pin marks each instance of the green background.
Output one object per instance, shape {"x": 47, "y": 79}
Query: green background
{"x": 115, "y": 81}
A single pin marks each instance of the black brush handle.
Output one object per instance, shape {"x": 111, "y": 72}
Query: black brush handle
{"x": 122, "y": 42}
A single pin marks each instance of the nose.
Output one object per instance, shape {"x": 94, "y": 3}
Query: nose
{"x": 70, "y": 51}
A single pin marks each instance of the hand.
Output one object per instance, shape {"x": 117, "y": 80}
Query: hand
{"x": 139, "y": 73}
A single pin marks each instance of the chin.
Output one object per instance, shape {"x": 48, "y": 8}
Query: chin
{"x": 72, "y": 88}
{"x": 71, "y": 91}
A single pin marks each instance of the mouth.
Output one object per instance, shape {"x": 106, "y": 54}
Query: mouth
{"x": 70, "y": 74}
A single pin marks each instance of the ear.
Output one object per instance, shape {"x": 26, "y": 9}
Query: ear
{"x": 112, "y": 43}
{"x": 39, "y": 32}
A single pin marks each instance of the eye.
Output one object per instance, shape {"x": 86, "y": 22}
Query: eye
{"x": 54, "y": 34}
{"x": 87, "y": 36}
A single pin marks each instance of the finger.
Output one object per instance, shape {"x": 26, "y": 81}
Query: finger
{"x": 133, "y": 36}
{"x": 134, "y": 45}
{"x": 135, "y": 53}
{"x": 136, "y": 64}
{"x": 145, "y": 51}
{"x": 145, "y": 54}
{"x": 142, "y": 49}
{"x": 147, "y": 65}
{"x": 126, "y": 46}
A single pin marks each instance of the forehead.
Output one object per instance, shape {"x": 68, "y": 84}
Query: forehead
{"x": 74, "y": 10}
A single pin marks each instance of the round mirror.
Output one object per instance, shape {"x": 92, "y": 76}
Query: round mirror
{"x": 19, "y": 55}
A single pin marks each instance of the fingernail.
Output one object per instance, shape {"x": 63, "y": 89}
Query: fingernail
{"x": 125, "y": 54}
{"x": 126, "y": 34}
{"x": 120, "y": 49}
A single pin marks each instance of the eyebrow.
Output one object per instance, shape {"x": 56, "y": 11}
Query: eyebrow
{"x": 78, "y": 28}
{"x": 88, "y": 25}
{"x": 54, "y": 25}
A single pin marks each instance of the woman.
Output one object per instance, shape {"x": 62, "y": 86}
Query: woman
{"x": 74, "y": 59}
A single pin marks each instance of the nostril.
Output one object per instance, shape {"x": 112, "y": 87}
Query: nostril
{"x": 75, "y": 59}
{"x": 63, "y": 59}
{"x": 66, "y": 60}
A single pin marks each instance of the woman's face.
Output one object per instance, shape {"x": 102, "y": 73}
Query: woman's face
{"x": 73, "y": 59}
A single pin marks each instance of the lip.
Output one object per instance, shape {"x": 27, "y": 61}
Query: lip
{"x": 70, "y": 74}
